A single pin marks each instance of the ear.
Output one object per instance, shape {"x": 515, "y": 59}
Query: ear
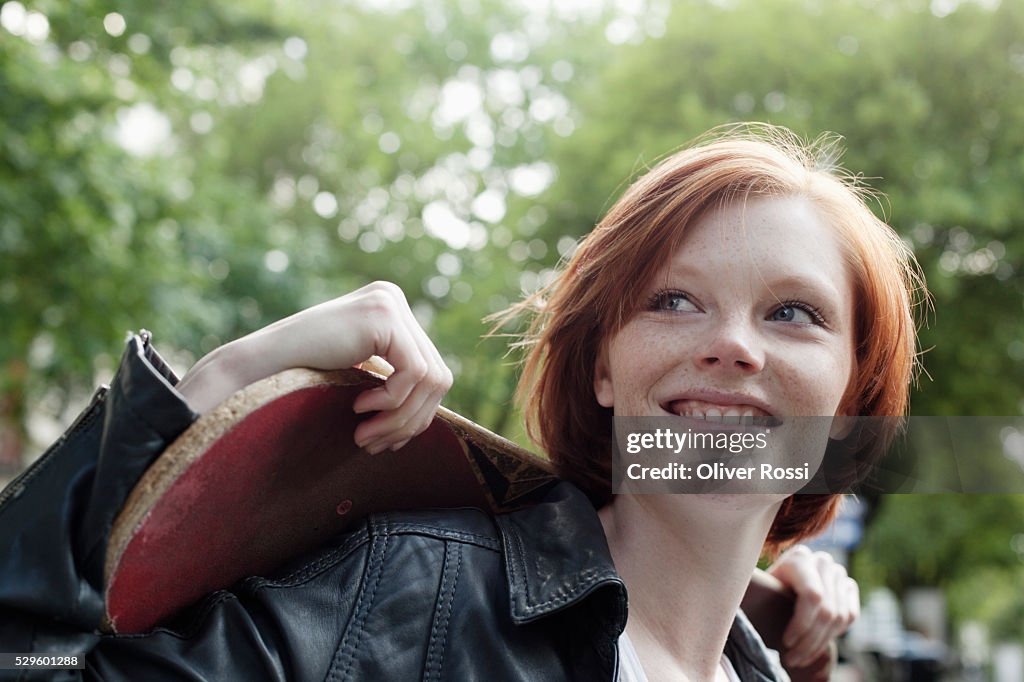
{"x": 602, "y": 380}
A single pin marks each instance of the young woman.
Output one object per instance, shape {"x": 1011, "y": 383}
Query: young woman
{"x": 735, "y": 278}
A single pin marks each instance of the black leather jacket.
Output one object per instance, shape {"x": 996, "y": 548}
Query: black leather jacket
{"x": 431, "y": 595}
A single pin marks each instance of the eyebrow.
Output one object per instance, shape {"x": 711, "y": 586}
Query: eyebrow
{"x": 798, "y": 281}
{"x": 789, "y": 281}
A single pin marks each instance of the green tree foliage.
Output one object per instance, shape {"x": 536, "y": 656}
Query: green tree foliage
{"x": 293, "y": 151}
{"x": 93, "y": 237}
{"x": 972, "y": 546}
{"x": 929, "y": 109}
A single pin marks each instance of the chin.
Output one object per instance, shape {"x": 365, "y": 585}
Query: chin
{"x": 754, "y": 502}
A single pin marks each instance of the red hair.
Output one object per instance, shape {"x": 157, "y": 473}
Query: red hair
{"x": 584, "y": 305}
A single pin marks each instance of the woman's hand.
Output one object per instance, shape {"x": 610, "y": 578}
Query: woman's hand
{"x": 827, "y": 601}
{"x": 373, "y": 320}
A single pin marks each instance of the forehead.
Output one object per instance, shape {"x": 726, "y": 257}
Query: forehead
{"x": 765, "y": 238}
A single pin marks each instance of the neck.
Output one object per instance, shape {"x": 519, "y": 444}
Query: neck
{"x": 687, "y": 561}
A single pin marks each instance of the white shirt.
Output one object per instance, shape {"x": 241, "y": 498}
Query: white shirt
{"x": 630, "y": 669}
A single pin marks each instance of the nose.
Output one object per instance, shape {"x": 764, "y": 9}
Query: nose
{"x": 731, "y": 345}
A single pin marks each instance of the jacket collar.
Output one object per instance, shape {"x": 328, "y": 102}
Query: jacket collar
{"x": 556, "y": 556}
{"x": 749, "y": 655}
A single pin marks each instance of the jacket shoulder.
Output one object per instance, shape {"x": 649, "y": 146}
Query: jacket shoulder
{"x": 468, "y": 525}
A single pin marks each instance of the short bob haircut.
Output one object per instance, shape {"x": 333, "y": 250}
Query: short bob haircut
{"x": 585, "y": 304}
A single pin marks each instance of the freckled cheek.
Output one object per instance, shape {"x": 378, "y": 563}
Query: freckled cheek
{"x": 638, "y": 361}
{"x": 662, "y": 343}
{"x": 816, "y": 389}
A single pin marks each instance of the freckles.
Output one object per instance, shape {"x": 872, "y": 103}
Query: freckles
{"x": 814, "y": 388}
{"x": 653, "y": 343}
{"x": 793, "y": 383}
{"x": 823, "y": 390}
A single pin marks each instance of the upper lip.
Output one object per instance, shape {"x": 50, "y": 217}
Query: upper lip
{"x": 718, "y": 398}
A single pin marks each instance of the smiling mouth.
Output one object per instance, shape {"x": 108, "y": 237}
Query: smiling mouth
{"x": 748, "y": 415}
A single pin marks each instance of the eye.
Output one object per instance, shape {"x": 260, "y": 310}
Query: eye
{"x": 799, "y": 312}
{"x": 674, "y": 301}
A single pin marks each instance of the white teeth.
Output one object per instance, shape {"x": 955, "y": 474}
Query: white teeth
{"x": 733, "y": 414}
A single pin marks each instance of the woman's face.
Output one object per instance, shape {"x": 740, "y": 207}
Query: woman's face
{"x": 752, "y": 316}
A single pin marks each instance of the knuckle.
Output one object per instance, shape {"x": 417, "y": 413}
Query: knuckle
{"x": 383, "y": 298}
{"x": 441, "y": 380}
{"x": 394, "y": 424}
{"x": 814, "y": 597}
{"x": 378, "y": 302}
{"x": 385, "y": 287}
{"x": 424, "y": 423}
{"x": 406, "y": 432}
{"x": 418, "y": 370}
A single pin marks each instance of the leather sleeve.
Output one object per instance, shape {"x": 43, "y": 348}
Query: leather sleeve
{"x": 55, "y": 518}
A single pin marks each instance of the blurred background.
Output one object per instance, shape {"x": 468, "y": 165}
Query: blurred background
{"x": 202, "y": 168}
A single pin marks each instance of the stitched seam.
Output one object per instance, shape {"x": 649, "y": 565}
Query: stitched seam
{"x": 510, "y": 563}
{"x": 211, "y": 603}
{"x": 560, "y": 597}
{"x": 485, "y": 541}
{"x": 309, "y": 571}
{"x": 429, "y": 673}
{"x": 363, "y": 606}
{"x": 449, "y": 607}
{"x": 346, "y": 650}
{"x": 443, "y": 612}
{"x": 395, "y": 528}
{"x": 566, "y": 593}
